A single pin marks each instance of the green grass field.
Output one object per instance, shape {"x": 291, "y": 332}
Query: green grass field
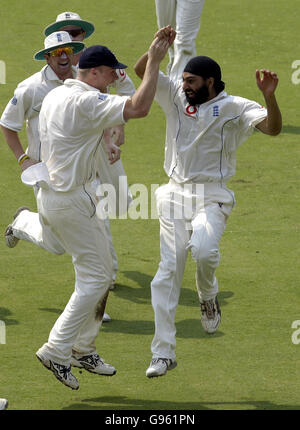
{"x": 251, "y": 363}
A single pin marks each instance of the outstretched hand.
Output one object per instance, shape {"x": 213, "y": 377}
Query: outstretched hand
{"x": 267, "y": 83}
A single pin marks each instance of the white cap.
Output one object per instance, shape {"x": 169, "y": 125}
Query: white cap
{"x": 70, "y": 18}
{"x": 58, "y": 40}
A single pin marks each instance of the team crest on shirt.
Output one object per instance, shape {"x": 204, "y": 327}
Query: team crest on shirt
{"x": 216, "y": 111}
{"x": 191, "y": 110}
{"x": 14, "y": 100}
{"x": 102, "y": 97}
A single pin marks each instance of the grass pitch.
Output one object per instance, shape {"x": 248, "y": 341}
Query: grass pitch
{"x": 251, "y": 362}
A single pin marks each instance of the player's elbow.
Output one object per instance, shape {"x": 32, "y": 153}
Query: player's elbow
{"x": 275, "y": 130}
{"x": 143, "y": 111}
{"x": 140, "y": 112}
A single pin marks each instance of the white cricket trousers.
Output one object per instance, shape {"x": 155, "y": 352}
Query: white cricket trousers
{"x": 69, "y": 223}
{"x": 198, "y": 229}
{"x": 184, "y": 16}
{"x": 28, "y": 227}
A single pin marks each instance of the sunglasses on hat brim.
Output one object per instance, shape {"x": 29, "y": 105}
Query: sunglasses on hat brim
{"x": 68, "y": 50}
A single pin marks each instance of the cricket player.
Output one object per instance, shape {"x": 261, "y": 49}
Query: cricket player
{"x": 25, "y": 106}
{"x": 205, "y": 126}
{"x": 185, "y": 17}
{"x": 29, "y": 94}
{"x": 71, "y": 119}
{"x": 79, "y": 30}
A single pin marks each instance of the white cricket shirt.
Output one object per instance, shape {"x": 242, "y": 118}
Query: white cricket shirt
{"x": 26, "y": 105}
{"x": 201, "y": 141}
{"x": 72, "y": 120}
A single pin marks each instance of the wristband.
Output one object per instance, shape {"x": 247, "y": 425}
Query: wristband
{"x": 22, "y": 158}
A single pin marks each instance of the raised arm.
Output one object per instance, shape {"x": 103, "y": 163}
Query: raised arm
{"x": 165, "y": 33}
{"x": 267, "y": 82}
{"x": 139, "y": 104}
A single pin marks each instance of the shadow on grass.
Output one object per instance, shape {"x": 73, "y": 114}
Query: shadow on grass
{"x": 5, "y": 316}
{"x": 186, "y": 329}
{"x": 120, "y": 402}
{"x": 188, "y": 297}
{"x": 290, "y": 129}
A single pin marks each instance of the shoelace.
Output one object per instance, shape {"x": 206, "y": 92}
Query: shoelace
{"x": 61, "y": 370}
{"x": 156, "y": 360}
{"x": 209, "y": 308}
{"x": 92, "y": 360}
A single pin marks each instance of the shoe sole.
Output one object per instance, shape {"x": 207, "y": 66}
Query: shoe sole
{"x": 18, "y": 211}
{"x": 7, "y": 237}
{"x": 76, "y": 363}
{"x": 42, "y": 360}
{"x": 171, "y": 367}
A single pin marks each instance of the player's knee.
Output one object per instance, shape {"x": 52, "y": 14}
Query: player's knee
{"x": 207, "y": 256}
{"x": 164, "y": 275}
{"x": 93, "y": 283}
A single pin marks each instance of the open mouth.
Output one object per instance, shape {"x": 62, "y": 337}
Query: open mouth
{"x": 190, "y": 93}
{"x": 64, "y": 65}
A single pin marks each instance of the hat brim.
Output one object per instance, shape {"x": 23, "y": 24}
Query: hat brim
{"x": 77, "y": 46}
{"x": 119, "y": 66}
{"x": 88, "y": 27}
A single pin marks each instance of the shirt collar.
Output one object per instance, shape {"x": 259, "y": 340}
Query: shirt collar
{"x": 220, "y": 96}
{"x": 50, "y": 75}
{"x": 84, "y": 85}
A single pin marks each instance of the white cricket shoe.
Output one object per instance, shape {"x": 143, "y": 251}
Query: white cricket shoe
{"x": 93, "y": 363}
{"x": 160, "y": 366}
{"x": 61, "y": 372}
{"x": 11, "y": 240}
{"x": 210, "y": 315}
{"x": 3, "y": 404}
{"x": 112, "y": 285}
{"x": 106, "y": 317}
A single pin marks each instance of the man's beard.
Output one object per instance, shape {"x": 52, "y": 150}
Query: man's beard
{"x": 200, "y": 96}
